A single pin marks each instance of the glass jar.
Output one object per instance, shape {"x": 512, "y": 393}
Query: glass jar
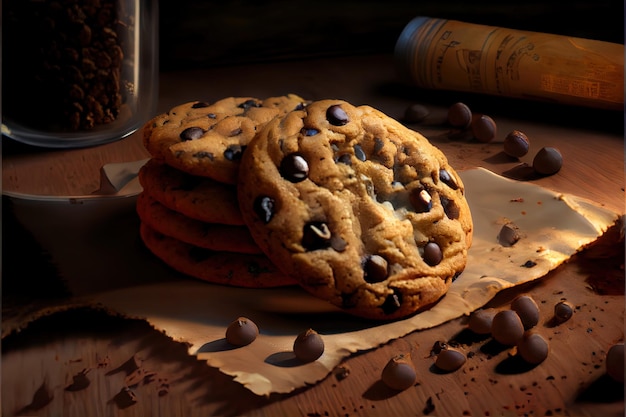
{"x": 78, "y": 73}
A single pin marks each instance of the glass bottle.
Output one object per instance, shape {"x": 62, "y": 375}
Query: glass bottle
{"x": 458, "y": 56}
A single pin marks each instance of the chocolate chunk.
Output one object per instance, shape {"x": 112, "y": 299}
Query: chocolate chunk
{"x": 309, "y": 131}
{"x": 191, "y": 133}
{"x": 235, "y": 132}
{"x": 336, "y": 115}
{"x": 420, "y": 200}
{"x": 249, "y": 103}
{"x": 508, "y": 235}
{"x": 294, "y": 168}
{"x": 432, "y": 254}
{"x": 450, "y": 208}
{"x": 234, "y": 152}
{"x": 264, "y": 208}
{"x": 316, "y": 235}
{"x": 200, "y": 105}
{"x": 375, "y": 268}
{"x": 392, "y": 302}
{"x": 447, "y": 179}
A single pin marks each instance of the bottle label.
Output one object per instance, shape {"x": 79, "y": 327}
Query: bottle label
{"x": 454, "y": 55}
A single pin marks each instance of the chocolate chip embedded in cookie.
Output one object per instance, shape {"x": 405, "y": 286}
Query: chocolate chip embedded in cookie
{"x": 208, "y": 139}
{"x": 360, "y": 210}
{"x": 199, "y": 198}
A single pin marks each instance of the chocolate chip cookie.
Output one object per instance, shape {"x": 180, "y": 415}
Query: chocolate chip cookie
{"x": 208, "y": 139}
{"x": 359, "y": 209}
{"x": 200, "y": 198}
{"x": 217, "y": 237}
{"x": 224, "y": 268}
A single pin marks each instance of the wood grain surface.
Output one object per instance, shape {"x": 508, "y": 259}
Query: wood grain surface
{"x": 86, "y": 362}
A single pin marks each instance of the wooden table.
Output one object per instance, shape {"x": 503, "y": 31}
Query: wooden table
{"x": 45, "y": 364}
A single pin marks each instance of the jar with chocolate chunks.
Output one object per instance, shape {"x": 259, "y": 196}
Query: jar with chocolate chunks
{"x": 79, "y": 72}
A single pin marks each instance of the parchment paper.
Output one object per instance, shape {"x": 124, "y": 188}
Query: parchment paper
{"x": 553, "y": 227}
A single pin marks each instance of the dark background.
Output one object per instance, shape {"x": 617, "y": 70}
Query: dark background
{"x": 196, "y": 34}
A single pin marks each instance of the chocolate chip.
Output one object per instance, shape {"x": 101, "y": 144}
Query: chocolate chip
{"x": 294, "y": 168}
{"x": 212, "y": 116}
{"x": 378, "y": 145}
{"x": 359, "y": 153}
{"x": 447, "y": 179}
{"x": 235, "y": 132}
{"x": 459, "y": 115}
{"x": 392, "y": 303}
{"x": 316, "y": 235}
{"x": 199, "y": 155}
{"x": 249, "y": 103}
{"x": 420, "y": 200}
{"x": 548, "y": 161}
{"x": 516, "y": 144}
{"x": 484, "y": 128}
{"x": 234, "y": 152}
{"x": 309, "y": 131}
{"x": 416, "y": 113}
{"x": 336, "y": 115}
{"x": 450, "y": 208}
{"x": 200, "y": 105}
{"x": 191, "y": 133}
{"x": 508, "y": 235}
{"x": 345, "y": 158}
{"x": 432, "y": 254}
{"x": 375, "y": 268}
{"x": 338, "y": 243}
{"x": 264, "y": 208}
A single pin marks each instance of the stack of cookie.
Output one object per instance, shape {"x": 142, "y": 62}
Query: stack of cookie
{"x": 189, "y": 213}
{"x": 344, "y": 201}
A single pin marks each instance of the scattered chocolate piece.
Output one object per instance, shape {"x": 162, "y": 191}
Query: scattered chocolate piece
{"x": 507, "y": 327}
{"x": 79, "y": 381}
{"x": 527, "y": 310}
{"x": 615, "y": 362}
{"x": 125, "y": 398}
{"x": 516, "y": 144}
{"x": 480, "y": 321}
{"x": 399, "y": 373}
{"x": 563, "y": 311}
{"x": 450, "y": 360}
{"x": 416, "y": 113}
{"x": 308, "y": 346}
{"x": 508, "y": 235}
{"x": 548, "y": 161}
{"x": 438, "y": 346}
{"x": 533, "y": 348}
{"x": 421, "y": 200}
{"x": 459, "y": 115}
{"x": 241, "y": 332}
{"x": 484, "y": 128}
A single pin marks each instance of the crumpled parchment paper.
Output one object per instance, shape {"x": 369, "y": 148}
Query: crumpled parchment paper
{"x": 552, "y": 226}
